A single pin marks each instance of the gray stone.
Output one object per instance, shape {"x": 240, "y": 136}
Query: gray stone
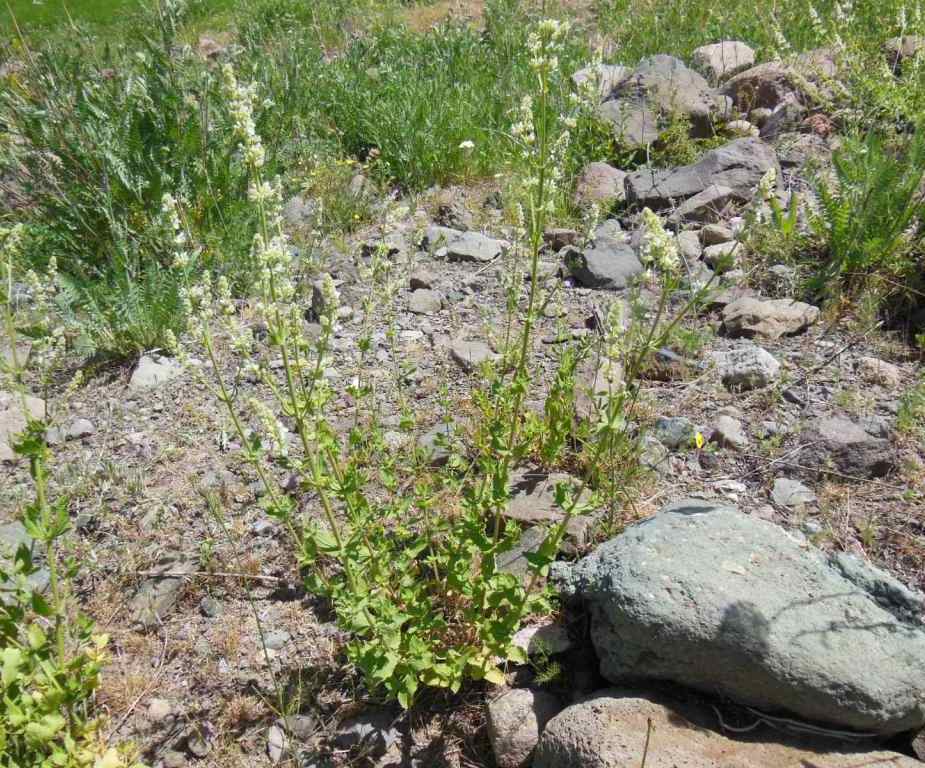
{"x": 469, "y": 355}
{"x": 543, "y": 639}
{"x": 299, "y": 212}
{"x": 767, "y": 85}
{"x": 747, "y": 367}
{"x": 876, "y": 371}
{"x": 719, "y": 61}
{"x": 611, "y": 728}
{"x": 738, "y": 165}
{"x": 715, "y": 234}
{"x": 710, "y": 205}
{"x": 424, "y": 302}
{"x": 533, "y": 502}
{"x": 158, "y": 594}
{"x": 79, "y": 429}
{"x": 791, "y": 493}
{"x": 803, "y": 150}
{"x": 742, "y": 128}
{"x": 421, "y": 279}
{"x": 728, "y": 432}
{"x": 837, "y": 443}
{"x": 210, "y": 607}
{"x": 153, "y": 370}
{"x": 689, "y": 246}
{"x": 899, "y": 50}
{"x": 722, "y": 255}
{"x": 674, "y": 431}
{"x": 439, "y": 442}
{"x": 373, "y": 732}
{"x": 705, "y": 596}
{"x": 474, "y": 247}
{"x": 605, "y": 76}
{"x": 14, "y": 415}
{"x": 558, "y": 238}
{"x": 600, "y": 183}
{"x": 759, "y": 116}
{"x": 660, "y": 87}
{"x": 609, "y": 263}
{"x": 436, "y": 237}
{"x": 769, "y": 319}
{"x": 514, "y": 560}
{"x": 515, "y": 721}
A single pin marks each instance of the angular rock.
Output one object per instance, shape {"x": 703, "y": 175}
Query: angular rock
{"x": 710, "y": 205}
{"x": 837, "y": 443}
{"x": 715, "y": 234}
{"x": 876, "y": 371}
{"x": 559, "y": 237}
{"x": 689, "y": 246}
{"x": 674, "y": 432}
{"x": 722, "y": 255}
{"x": 767, "y": 85}
{"x": 803, "y": 150}
{"x": 742, "y": 128}
{"x": 157, "y": 595}
{"x": 439, "y": 442}
{"x": 704, "y": 596}
{"x": 791, "y": 493}
{"x": 421, "y": 278}
{"x": 515, "y": 721}
{"x": 373, "y": 732}
{"x": 533, "y": 502}
{"x": 424, "y": 302}
{"x": 610, "y": 730}
{"x": 768, "y": 318}
{"x": 661, "y": 86}
{"x": 898, "y": 50}
{"x": 79, "y": 429}
{"x": 469, "y": 355}
{"x": 436, "y": 237}
{"x": 608, "y": 263}
{"x": 738, "y": 165}
{"x": 747, "y": 367}
{"x": 719, "y": 61}
{"x": 543, "y": 639}
{"x": 153, "y": 370}
{"x": 600, "y": 183}
{"x": 607, "y": 77}
{"x": 728, "y": 432}
{"x": 13, "y": 419}
{"x": 474, "y": 247}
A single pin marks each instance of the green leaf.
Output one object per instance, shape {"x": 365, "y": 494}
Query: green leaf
{"x": 12, "y": 660}
{"x": 45, "y": 729}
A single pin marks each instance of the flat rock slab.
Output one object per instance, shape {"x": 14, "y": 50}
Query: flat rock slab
{"x": 767, "y": 318}
{"x": 464, "y": 246}
{"x": 609, "y": 730}
{"x": 153, "y": 370}
{"x": 533, "y": 502}
{"x": 837, "y": 443}
{"x": 738, "y": 166}
{"x": 469, "y": 355}
{"x": 705, "y": 596}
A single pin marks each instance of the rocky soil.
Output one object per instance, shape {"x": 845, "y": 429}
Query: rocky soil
{"x": 768, "y": 615}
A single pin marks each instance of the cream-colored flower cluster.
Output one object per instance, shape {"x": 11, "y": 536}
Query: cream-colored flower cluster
{"x": 241, "y": 100}
{"x": 658, "y": 248}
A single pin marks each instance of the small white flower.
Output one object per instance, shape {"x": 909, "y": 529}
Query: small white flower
{"x": 467, "y": 146}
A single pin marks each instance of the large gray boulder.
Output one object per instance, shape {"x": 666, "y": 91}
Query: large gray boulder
{"x": 738, "y": 166}
{"x": 659, "y": 88}
{"x": 767, "y": 318}
{"x": 705, "y": 596}
{"x": 611, "y": 729}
